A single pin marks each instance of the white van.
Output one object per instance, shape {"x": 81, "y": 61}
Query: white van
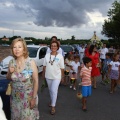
{"x": 36, "y": 52}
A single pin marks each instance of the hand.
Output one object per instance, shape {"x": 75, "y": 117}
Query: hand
{"x": 43, "y": 76}
{"x": 32, "y": 103}
{"x": 62, "y": 80}
{"x": 12, "y": 69}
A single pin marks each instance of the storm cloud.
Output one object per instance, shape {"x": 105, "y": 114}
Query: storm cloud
{"x": 66, "y": 12}
{"x": 62, "y": 18}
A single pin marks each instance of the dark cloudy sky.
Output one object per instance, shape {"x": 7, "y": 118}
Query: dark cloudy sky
{"x": 45, "y": 18}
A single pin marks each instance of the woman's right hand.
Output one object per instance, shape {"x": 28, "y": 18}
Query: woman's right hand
{"x": 11, "y": 69}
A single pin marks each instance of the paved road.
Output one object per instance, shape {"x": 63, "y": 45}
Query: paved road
{"x": 101, "y": 105}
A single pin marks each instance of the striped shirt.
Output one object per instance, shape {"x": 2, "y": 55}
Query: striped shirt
{"x": 86, "y": 76}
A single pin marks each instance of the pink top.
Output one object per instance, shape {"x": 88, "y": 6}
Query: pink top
{"x": 86, "y": 76}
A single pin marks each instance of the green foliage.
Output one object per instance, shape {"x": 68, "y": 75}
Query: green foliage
{"x": 73, "y": 37}
{"x": 111, "y": 27}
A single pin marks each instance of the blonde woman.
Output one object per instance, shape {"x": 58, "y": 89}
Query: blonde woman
{"x": 24, "y": 76}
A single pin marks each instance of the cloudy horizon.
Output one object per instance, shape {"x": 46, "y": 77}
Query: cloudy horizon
{"x": 45, "y": 18}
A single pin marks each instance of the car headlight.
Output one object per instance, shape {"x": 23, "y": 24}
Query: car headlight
{"x": 1, "y": 63}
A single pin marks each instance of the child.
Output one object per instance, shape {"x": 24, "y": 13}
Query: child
{"x": 68, "y": 62}
{"x": 114, "y": 70}
{"x": 85, "y": 74}
{"x": 75, "y": 67}
{"x": 106, "y": 63}
{"x": 76, "y": 53}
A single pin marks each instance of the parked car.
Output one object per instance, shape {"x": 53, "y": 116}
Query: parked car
{"x": 5, "y": 45}
{"x": 36, "y": 52}
{"x": 68, "y": 49}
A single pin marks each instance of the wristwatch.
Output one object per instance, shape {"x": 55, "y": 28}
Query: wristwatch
{"x": 34, "y": 97}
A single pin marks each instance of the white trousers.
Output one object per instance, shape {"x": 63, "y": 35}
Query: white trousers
{"x": 53, "y": 89}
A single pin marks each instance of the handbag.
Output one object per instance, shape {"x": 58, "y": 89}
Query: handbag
{"x": 9, "y": 89}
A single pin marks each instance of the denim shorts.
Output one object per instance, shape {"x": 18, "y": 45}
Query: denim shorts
{"x": 86, "y": 91}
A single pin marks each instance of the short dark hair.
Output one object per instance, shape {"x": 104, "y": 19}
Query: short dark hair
{"x": 86, "y": 60}
{"x": 53, "y": 37}
{"x": 76, "y": 57}
{"x": 108, "y": 54}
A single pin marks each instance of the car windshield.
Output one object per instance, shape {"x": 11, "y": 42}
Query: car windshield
{"x": 66, "y": 48}
{"x": 32, "y": 52}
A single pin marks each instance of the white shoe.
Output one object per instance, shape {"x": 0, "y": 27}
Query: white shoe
{"x": 74, "y": 88}
{"x": 70, "y": 86}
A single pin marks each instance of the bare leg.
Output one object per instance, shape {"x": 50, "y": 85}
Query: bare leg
{"x": 112, "y": 86}
{"x": 84, "y": 99}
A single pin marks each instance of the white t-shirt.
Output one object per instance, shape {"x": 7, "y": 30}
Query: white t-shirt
{"x": 115, "y": 65}
{"x": 81, "y": 52}
{"x": 2, "y": 114}
{"x": 69, "y": 63}
{"x": 75, "y": 66}
{"x": 53, "y": 71}
{"x": 103, "y": 52}
{"x": 60, "y": 51}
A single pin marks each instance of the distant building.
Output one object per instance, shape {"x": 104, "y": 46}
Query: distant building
{"x": 5, "y": 39}
{"x": 28, "y": 40}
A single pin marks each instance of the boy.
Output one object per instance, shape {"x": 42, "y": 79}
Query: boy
{"x": 85, "y": 74}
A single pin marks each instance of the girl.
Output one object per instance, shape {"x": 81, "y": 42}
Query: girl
{"x": 75, "y": 68}
{"x": 68, "y": 62}
{"x": 114, "y": 70}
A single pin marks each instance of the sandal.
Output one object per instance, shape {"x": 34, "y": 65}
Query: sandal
{"x": 49, "y": 105}
{"x": 52, "y": 111}
{"x": 111, "y": 92}
{"x": 84, "y": 109}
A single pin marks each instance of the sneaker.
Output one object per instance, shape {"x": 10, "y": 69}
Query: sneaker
{"x": 74, "y": 88}
{"x": 70, "y": 86}
{"x": 80, "y": 84}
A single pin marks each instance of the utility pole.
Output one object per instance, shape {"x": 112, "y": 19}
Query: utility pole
{"x": 13, "y": 32}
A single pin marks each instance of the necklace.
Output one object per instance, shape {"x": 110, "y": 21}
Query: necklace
{"x": 20, "y": 65}
{"x": 53, "y": 59}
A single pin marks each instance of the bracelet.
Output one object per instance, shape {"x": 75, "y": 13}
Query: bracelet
{"x": 34, "y": 97}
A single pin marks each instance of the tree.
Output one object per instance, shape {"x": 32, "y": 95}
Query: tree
{"x": 111, "y": 27}
{"x": 73, "y": 37}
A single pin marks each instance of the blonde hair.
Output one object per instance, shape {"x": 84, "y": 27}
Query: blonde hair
{"x": 25, "y": 53}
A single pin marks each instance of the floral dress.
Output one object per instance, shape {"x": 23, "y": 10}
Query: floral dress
{"x": 22, "y": 91}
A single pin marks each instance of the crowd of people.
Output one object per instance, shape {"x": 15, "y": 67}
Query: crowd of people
{"x": 85, "y": 64}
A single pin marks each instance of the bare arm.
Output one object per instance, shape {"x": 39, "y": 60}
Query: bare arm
{"x": 8, "y": 76}
{"x": 10, "y": 71}
{"x": 35, "y": 78}
{"x": 35, "y": 84}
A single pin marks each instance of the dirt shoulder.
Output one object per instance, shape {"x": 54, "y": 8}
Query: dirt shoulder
{"x": 4, "y": 52}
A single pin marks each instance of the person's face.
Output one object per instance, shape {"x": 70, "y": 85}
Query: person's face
{"x": 18, "y": 49}
{"x": 89, "y": 64}
{"x": 104, "y": 45}
{"x": 54, "y": 47}
{"x": 107, "y": 56}
{"x": 95, "y": 49}
{"x": 53, "y": 39}
{"x": 117, "y": 57}
{"x": 76, "y": 60}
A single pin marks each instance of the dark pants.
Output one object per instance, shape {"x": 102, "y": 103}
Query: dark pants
{"x": 5, "y": 98}
{"x": 6, "y": 104}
